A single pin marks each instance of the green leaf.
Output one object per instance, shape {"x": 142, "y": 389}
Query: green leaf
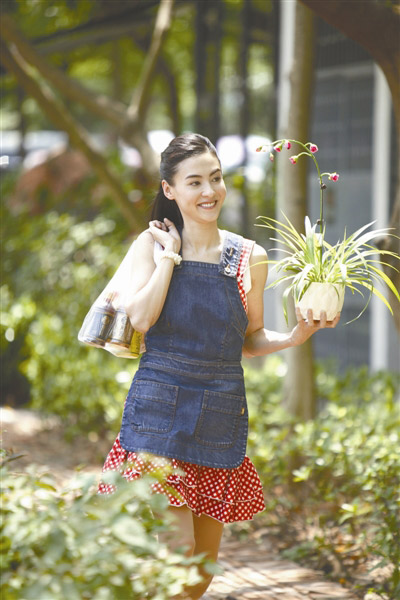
{"x": 128, "y": 530}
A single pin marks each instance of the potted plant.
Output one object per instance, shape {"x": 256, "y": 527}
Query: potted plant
{"x": 318, "y": 273}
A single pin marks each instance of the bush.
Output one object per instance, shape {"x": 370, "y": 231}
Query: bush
{"x": 53, "y": 270}
{"x": 341, "y": 471}
{"x": 75, "y": 544}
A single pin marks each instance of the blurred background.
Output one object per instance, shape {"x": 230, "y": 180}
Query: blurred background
{"x": 92, "y": 92}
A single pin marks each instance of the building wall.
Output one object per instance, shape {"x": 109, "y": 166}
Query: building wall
{"x": 342, "y": 127}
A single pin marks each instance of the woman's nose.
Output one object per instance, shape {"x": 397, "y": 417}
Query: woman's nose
{"x": 207, "y": 190}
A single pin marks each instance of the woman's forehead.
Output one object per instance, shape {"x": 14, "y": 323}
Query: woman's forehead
{"x": 200, "y": 164}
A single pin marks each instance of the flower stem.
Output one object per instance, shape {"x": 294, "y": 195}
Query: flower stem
{"x": 322, "y": 186}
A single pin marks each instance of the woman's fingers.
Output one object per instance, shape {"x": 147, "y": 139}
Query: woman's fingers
{"x": 172, "y": 230}
{"x": 335, "y": 321}
{"x": 158, "y": 225}
{"x": 322, "y": 323}
{"x": 166, "y": 234}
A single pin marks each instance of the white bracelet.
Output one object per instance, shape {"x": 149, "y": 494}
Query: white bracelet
{"x": 177, "y": 258}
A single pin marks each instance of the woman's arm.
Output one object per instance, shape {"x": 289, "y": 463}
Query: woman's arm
{"x": 260, "y": 341}
{"x": 150, "y": 282}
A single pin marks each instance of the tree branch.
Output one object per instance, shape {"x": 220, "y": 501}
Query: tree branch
{"x": 16, "y": 65}
{"x": 170, "y": 79}
{"x": 107, "y": 109}
{"x": 139, "y": 99}
{"x": 98, "y": 30}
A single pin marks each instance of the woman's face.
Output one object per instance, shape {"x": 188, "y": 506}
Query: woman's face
{"x": 198, "y": 188}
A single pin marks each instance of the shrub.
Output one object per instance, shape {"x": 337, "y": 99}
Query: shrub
{"x": 75, "y": 544}
{"x": 342, "y": 470}
{"x": 53, "y": 270}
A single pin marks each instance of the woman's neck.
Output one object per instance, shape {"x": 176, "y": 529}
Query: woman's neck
{"x": 201, "y": 242}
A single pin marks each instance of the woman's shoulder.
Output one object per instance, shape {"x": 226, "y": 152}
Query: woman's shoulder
{"x": 143, "y": 246}
{"x": 258, "y": 254}
{"x": 144, "y": 239}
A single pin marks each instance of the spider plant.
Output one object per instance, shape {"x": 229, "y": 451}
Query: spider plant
{"x": 352, "y": 263}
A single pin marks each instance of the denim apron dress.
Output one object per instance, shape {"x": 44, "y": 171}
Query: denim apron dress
{"x": 187, "y": 399}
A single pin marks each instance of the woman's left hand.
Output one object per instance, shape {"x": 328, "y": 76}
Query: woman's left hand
{"x": 305, "y": 328}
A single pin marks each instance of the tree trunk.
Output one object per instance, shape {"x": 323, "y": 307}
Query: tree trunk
{"x": 217, "y": 35}
{"x": 200, "y": 60}
{"x": 207, "y": 58}
{"x": 22, "y": 122}
{"x": 244, "y": 111}
{"x": 299, "y": 396}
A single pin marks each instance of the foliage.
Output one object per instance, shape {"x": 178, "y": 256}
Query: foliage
{"x": 341, "y": 471}
{"x": 53, "y": 269}
{"x": 75, "y": 544}
{"x": 309, "y": 258}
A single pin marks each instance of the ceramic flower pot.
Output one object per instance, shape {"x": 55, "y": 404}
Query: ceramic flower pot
{"x": 322, "y": 296}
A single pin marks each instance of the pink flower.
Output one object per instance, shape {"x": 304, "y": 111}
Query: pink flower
{"x": 288, "y": 145}
{"x": 293, "y": 159}
{"x": 278, "y": 147}
{"x": 263, "y": 148}
{"x": 271, "y": 157}
{"x": 333, "y": 176}
{"x": 313, "y": 148}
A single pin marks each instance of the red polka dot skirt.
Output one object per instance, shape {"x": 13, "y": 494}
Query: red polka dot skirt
{"x": 227, "y": 495}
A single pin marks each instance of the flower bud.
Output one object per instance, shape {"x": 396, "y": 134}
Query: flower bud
{"x": 313, "y": 148}
{"x": 278, "y": 147}
{"x": 288, "y": 145}
{"x": 333, "y": 176}
{"x": 293, "y": 159}
{"x": 271, "y": 157}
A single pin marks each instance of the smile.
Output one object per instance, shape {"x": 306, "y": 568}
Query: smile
{"x": 208, "y": 204}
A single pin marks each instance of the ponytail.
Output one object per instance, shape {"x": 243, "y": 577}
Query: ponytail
{"x": 165, "y": 208}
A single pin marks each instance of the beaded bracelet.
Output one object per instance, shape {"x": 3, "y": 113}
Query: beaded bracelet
{"x": 177, "y": 258}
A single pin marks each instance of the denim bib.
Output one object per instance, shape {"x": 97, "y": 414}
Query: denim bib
{"x": 187, "y": 399}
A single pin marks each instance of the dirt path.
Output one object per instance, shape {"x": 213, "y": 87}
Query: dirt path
{"x": 253, "y": 570}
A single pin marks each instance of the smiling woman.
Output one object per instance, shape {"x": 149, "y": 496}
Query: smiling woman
{"x": 198, "y": 186}
{"x": 200, "y": 308}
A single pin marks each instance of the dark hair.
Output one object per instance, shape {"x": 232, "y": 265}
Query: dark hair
{"x": 179, "y": 149}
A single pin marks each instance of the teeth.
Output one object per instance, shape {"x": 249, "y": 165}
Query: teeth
{"x": 207, "y": 204}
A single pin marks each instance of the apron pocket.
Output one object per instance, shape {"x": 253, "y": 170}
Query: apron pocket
{"x": 219, "y": 419}
{"x": 152, "y": 406}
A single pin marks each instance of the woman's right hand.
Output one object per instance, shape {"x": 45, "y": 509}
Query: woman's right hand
{"x": 166, "y": 234}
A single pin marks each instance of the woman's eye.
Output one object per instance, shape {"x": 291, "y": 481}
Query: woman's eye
{"x": 218, "y": 178}
{"x": 194, "y": 183}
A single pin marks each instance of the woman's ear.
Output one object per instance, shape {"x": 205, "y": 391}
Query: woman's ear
{"x": 167, "y": 190}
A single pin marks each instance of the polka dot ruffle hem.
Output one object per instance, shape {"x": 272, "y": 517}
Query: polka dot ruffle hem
{"x": 227, "y": 495}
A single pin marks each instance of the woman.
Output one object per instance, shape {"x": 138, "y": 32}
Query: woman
{"x": 201, "y": 308}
